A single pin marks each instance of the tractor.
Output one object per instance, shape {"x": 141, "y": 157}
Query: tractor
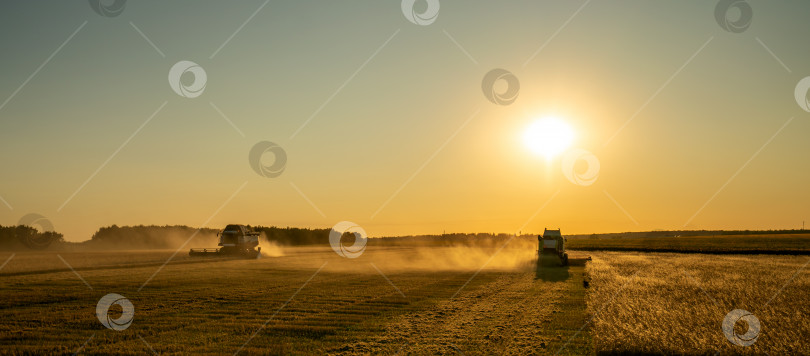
{"x": 552, "y": 243}
{"x": 235, "y": 240}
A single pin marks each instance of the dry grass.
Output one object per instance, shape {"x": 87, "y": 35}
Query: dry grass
{"x": 675, "y": 303}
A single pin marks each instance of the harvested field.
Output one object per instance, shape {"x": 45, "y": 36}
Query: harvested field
{"x": 309, "y": 301}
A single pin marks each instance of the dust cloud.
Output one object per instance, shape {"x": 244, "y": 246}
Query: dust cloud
{"x": 149, "y": 238}
{"x": 269, "y": 248}
{"x": 518, "y": 254}
{"x": 465, "y": 258}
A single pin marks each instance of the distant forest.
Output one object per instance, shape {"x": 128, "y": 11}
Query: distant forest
{"x": 25, "y": 237}
{"x": 150, "y": 237}
{"x": 175, "y": 236}
{"x": 683, "y": 233}
{"x": 170, "y": 237}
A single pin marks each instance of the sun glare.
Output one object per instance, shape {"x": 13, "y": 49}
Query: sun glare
{"x": 548, "y": 137}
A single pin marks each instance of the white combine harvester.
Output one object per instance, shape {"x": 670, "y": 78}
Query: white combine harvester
{"x": 235, "y": 240}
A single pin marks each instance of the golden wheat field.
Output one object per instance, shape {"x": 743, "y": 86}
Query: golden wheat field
{"x": 665, "y": 303}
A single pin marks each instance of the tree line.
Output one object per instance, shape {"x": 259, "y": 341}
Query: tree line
{"x": 174, "y": 236}
{"x": 21, "y": 237}
{"x": 152, "y": 236}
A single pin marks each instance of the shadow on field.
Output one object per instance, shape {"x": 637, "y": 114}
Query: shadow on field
{"x": 549, "y": 268}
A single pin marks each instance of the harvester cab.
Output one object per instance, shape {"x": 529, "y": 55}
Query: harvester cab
{"x": 550, "y": 244}
{"x": 235, "y": 240}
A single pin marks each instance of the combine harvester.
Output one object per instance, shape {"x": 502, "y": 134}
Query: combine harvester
{"x": 552, "y": 244}
{"x": 235, "y": 240}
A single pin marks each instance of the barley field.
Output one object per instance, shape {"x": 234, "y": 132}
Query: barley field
{"x": 665, "y": 303}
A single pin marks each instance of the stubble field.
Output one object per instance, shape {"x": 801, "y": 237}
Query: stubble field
{"x": 309, "y": 301}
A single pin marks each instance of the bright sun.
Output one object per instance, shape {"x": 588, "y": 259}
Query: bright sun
{"x": 548, "y": 137}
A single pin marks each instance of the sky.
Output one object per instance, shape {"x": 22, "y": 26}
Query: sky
{"x": 680, "y": 120}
